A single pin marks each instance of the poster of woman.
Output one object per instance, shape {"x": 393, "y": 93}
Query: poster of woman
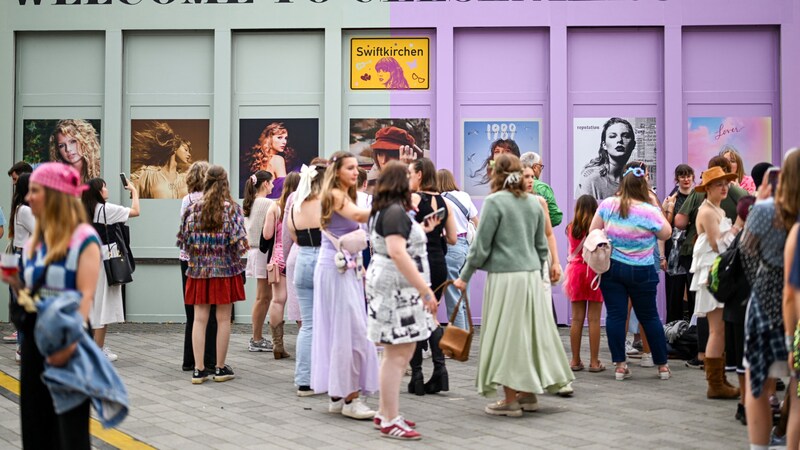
{"x": 162, "y": 151}
{"x": 478, "y": 150}
{"x": 375, "y": 142}
{"x": 278, "y": 146}
{"x": 71, "y": 141}
{"x": 750, "y": 137}
{"x": 602, "y": 147}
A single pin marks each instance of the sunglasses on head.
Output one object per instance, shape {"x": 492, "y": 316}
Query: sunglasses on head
{"x": 636, "y": 171}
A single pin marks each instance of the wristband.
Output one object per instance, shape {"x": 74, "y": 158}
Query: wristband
{"x": 789, "y": 342}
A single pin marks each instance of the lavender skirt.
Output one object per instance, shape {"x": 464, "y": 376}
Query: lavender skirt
{"x": 343, "y": 361}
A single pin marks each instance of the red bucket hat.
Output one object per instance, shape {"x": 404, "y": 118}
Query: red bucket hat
{"x": 392, "y": 138}
{"x": 59, "y": 177}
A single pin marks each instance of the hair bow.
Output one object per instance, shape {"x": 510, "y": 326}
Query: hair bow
{"x": 253, "y": 179}
{"x": 307, "y": 173}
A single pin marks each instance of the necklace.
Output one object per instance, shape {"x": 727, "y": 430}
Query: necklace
{"x": 171, "y": 185}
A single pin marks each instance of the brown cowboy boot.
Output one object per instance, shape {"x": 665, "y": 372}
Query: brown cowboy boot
{"x": 715, "y": 374}
{"x": 278, "y": 349}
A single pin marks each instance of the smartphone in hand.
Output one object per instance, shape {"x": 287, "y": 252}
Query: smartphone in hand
{"x": 772, "y": 176}
{"x": 123, "y": 179}
{"x": 438, "y": 213}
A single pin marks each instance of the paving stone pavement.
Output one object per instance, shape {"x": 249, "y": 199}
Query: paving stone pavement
{"x": 259, "y": 408}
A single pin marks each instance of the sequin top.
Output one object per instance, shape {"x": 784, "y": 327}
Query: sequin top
{"x": 214, "y": 254}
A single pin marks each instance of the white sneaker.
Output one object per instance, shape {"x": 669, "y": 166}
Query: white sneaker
{"x": 629, "y": 349}
{"x": 335, "y": 407}
{"x": 111, "y": 356}
{"x": 357, "y": 410}
{"x": 647, "y": 360}
{"x": 566, "y": 391}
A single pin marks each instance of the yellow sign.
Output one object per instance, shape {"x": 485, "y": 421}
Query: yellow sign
{"x": 389, "y": 63}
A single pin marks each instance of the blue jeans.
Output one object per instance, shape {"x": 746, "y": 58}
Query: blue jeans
{"x": 455, "y": 258}
{"x": 304, "y": 285}
{"x": 623, "y": 281}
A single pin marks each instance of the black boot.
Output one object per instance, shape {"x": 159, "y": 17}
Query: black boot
{"x": 439, "y": 380}
{"x": 417, "y": 383}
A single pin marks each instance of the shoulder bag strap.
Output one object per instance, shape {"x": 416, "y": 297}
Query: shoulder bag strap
{"x": 577, "y": 249}
{"x": 460, "y": 205}
{"x": 333, "y": 238}
{"x": 463, "y": 298}
{"x": 105, "y": 223}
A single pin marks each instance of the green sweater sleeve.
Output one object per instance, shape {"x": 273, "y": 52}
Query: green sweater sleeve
{"x": 546, "y": 192}
{"x": 482, "y": 245}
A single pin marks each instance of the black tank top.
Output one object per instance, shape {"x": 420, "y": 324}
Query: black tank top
{"x": 436, "y": 241}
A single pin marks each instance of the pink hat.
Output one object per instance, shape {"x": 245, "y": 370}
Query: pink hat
{"x": 59, "y": 177}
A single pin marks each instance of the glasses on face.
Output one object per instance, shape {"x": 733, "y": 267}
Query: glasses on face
{"x": 541, "y": 166}
{"x": 636, "y": 171}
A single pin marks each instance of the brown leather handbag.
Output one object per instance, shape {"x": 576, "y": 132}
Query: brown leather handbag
{"x": 456, "y": 342}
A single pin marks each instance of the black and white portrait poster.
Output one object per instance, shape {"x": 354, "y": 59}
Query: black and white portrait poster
{"x": 602, "y": 147}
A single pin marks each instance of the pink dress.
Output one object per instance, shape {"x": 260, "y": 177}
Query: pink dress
{"x": 277, "y": 249}
{"x": 579, "y": 276}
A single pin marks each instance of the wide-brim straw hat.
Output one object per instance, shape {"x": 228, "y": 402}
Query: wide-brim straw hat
{"x": 714, "y": 174}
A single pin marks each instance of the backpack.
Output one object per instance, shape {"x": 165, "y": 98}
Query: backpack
{"x": 726, "y": 279}
{"x": 597, "y": 254}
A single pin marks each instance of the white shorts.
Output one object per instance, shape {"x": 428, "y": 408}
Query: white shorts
{"x": 256, "y": 264}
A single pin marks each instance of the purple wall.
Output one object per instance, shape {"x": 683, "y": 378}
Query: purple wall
{"x": 558, "y": 60}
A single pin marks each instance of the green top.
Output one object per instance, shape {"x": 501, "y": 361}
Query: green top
{"x": 543, "y": 189}
{"x": 692, "y": 205}
{"x": 510, "y": 236}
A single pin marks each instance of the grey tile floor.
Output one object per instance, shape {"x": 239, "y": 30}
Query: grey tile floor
{"x": 259, "y": 408}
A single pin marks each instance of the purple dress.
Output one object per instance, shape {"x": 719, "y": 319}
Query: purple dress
{"x": 343, "y": 361}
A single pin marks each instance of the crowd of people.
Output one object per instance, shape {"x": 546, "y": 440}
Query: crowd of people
{"x": 363, "y": 268}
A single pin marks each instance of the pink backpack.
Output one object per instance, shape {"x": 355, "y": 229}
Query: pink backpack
{"x": 597, "y": 254}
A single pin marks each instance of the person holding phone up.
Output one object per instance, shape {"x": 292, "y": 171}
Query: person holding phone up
{"x": 429, "y": 203}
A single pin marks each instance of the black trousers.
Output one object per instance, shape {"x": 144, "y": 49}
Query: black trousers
{"x": 734, "y": 345}
{"x": 675, "y": 286}
{"x": 41, "y": 426}
{"x": 210, "y": 354}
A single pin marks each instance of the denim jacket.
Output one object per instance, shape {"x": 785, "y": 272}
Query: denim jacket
{"x": 88, "y": 373}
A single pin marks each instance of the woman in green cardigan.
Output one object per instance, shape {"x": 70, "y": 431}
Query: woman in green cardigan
{"x": 520, "y": 348}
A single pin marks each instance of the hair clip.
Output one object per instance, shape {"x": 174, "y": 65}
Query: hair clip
{"x": 512, "y": 178}
{"x": 333, "y": 160}
{"x": 253, "y": 179}
{"x": 636, "y": 171}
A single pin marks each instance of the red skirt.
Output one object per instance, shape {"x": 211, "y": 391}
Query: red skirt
{"x": 578, "y": 281}
{"x": 214, "y": 291}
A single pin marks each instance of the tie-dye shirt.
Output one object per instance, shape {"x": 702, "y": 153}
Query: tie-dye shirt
{"x": 633, "y": 239}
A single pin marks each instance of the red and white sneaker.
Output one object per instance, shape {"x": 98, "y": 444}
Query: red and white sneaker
{"x": 397, "y": 429}
{"x": 378, "y": 418}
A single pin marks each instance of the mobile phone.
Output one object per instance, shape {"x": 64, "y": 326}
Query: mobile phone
{"x": 124, "y": 180}
{"x": 772, "y": 175}
{"x": 438, "y": 213}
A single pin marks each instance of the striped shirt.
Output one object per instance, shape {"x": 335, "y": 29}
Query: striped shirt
{"x": 633, "y": 238}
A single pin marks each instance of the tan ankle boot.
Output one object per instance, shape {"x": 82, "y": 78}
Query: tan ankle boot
{"x": 277, "y": 342}
{"x": 715, "y": 376}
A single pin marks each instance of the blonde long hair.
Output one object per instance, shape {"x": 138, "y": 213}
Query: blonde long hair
{"x": 331, "y": 182}
{"x": 86, "y": 136}
{"x": 61, "y": 216}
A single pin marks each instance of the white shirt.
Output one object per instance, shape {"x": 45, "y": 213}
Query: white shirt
{"x": 466, "y": 201}
{"x": 364, "y": 200}
{"x": 114, "y": 213}
{"x": 24, "y": 223}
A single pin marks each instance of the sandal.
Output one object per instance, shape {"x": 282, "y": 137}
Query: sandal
{"x": 622, "y": 373}
{"x": 664, "y": 374}
{"x": 599, "y": 368}
{"x": 577, "y": 367}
